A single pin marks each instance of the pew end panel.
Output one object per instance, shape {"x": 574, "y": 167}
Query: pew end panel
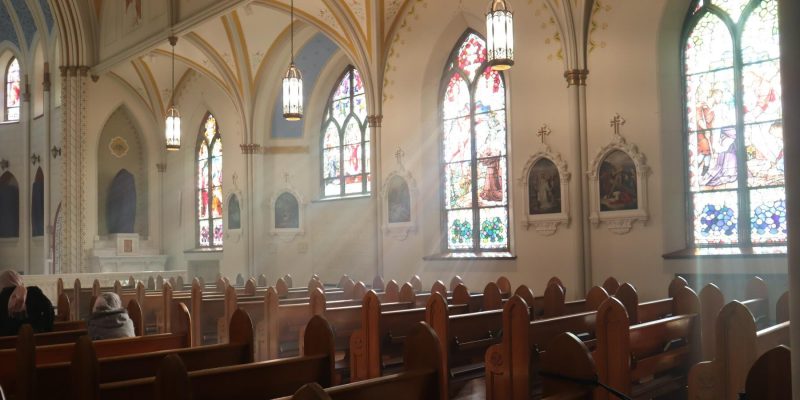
{"x": 567, "y": 357}
{"x": 770, "y": 376}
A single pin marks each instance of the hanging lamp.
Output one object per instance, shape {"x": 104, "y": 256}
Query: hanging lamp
{"x": 500, "y": 35}
{"x": 292, "y": 84}
{"x": 173, "y": 130}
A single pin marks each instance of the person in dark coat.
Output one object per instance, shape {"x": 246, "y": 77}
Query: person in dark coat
{"x": 109, "y": 320}
{"x": 23, "y": 305}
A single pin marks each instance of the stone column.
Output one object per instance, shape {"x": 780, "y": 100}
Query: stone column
{"x": 374, "y": 122}
{"x": 25, "y": 187}
{"x": 789, "y": 14}
{"x": 47, "y": 233}
{"x": 73, "y": 180}
{"x": 576, "y": 82}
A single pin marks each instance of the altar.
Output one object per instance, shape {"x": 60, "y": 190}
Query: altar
{"x": 125, "y": 252}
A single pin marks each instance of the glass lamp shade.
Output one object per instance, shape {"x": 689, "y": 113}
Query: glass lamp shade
{"x": 173, "y": 131}
{"x": 500, "y": 35}
{"x": 293, "y": 94}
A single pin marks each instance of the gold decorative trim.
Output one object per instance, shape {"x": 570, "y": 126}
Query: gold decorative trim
{"x": 374, "y": 120}
{"x": 250, "y": 148}
{"x": 576, "y": 77}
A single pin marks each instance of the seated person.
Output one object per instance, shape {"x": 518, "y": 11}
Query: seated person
{"x": 20, "y": 305}
{"x": 109, "y": 320}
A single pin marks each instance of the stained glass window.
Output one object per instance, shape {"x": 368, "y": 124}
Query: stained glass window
{"x": 474, "y": 158}
{"x": 12, "y": 91}
{"x": 209, "y": 184}
{"x": 345, "y": 139}
{"x": 734, "y": 123}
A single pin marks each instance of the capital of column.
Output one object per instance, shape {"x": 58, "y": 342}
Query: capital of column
{"x": 576, "y": 77}
{"x": 74, "y": 70}
{"x": 250, "y": 148}
{"x": 374, "y": 120}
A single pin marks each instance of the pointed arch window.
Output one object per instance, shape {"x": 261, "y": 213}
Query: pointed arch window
{"x": 209, "y": 184}
{"x": 13, "y": 90}
{"x": 474, "y": 151}
{"x": 734, "y": 138}
{"x": 9, "y": 206}
{"x": 345, "y": 139}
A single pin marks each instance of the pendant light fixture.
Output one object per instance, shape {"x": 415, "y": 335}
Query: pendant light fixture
{"x": 173, "y": 130}
{"x": 292, "y": 84}
{"x": 500, "y": 35}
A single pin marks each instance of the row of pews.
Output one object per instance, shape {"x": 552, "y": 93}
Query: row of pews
{"x": 400, "y": 341}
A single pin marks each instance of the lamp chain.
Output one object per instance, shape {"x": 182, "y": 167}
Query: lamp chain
{"x": 292, "y": 29}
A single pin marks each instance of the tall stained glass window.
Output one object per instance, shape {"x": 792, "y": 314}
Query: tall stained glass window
{"x": 734, "y": 123}
{"x": 12, "y": 91}
{"x": 209, "y": 184}
{"x": 474, "y": 153}
{"x": 345, "y": 139}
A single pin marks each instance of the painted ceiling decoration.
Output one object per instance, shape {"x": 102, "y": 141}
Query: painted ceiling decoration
{"x": 7, "y": 27}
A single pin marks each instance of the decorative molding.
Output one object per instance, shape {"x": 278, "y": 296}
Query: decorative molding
{"x": 35, "y": 159}
{"x": 118, "y": 147}
{"x": 546, "y": 224}
{"x": 250, "y": 148}
{"x": 621, "y": 221}
{"x": 576, "y": 77}
{"x": 374, "y": 120}
{"x": 284, "y": 150}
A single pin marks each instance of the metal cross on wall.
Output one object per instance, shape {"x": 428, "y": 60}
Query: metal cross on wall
{"x": 399, "y": 154}
{"x": 543, "y": 132}
{"x": 616, "y": 122}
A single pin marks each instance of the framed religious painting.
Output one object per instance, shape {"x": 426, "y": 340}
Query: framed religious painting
{"x": 618, "y": 186}
{"x": 399, "y": 194}
{"x": 233, "y": 221}
{"x": 546, "y": 180}
{"x": 287, "y": 214}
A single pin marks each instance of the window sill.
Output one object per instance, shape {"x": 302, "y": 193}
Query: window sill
{"x": 9, "y": 122}
{"x": 726, "y": 252}
{"x": 203, "y": 250}
{"x": 342, "y": 198}
{"x": 494, "y": 256}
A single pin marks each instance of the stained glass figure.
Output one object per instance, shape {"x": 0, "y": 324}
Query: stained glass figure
{"x": 734, "y": 123}
{"x": 13, "y": 90}
{"x": 210, "y": 229}
{"x": 345, "y": 139}
{"x": 474, "y": 152}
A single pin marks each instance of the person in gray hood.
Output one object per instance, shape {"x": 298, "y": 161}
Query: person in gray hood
{"x": 109, "y": 320}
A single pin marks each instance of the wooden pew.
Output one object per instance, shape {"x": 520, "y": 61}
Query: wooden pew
{"x": 28, "y": 352}
{"x": 770, "y": 376}
{"x": 640, "y": 312}
{"x": 738, "y": 344}
{"x": 782, "y": 308}
{"x": 88, "y": 371}
{"x": 511, "y": 366}
{"x": 260, "y": 380}
{"x": 377, "y": 347}
{"x": 648, "y": 359}
{"x": 567, "y": 369}
{"x": 464, "y": 338}
{"x": 422, "y": 378}
{"x": 712, "y": 300}
{"x": 68, "y": 331}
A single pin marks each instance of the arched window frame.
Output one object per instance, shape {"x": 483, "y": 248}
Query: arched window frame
{"x": 209, "y": 186}
{"x": 744, "y": 231}
{"x": 449, "y": 70}
{"x": 8, "y": 82}
{"x": 328, "y": 118}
